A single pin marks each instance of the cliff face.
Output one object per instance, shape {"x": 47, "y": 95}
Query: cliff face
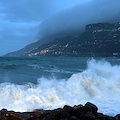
{"x": 101, "y": 39}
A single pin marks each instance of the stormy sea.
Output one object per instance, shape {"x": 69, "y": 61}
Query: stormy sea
{"x": 51, "y": 82}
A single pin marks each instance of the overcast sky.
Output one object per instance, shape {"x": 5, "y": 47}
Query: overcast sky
{"x": 20, "y": 19}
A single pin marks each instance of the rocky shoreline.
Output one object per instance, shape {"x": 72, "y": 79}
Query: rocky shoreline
{"x": 78, "y": 112}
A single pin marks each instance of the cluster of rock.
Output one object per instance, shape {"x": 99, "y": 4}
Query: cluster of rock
{"x": 79, "y": 112}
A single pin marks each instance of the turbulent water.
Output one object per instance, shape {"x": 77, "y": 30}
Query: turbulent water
{"x": 50, "y": 82}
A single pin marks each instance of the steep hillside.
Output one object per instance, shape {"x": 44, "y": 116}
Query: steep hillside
{"x": 29, "y": 47}
{"x": 101, "y": 39}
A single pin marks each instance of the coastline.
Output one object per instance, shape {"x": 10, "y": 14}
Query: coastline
{"x": 89, "y": 111}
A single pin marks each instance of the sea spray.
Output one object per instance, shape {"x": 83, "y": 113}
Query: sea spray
{"x": 99, "y": 83}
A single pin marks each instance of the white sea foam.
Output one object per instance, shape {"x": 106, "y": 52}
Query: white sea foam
{"x": 99, "y": 83}
{"x": 56, "y": 70}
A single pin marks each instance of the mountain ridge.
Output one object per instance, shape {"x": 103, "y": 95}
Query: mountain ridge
{"x": 96, "y": 40}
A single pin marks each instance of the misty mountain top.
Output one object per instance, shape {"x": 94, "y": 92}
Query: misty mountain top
{"x": 75, "y": 18}
{"x": 96, "y": 40}
{"x": 26, "y": 21}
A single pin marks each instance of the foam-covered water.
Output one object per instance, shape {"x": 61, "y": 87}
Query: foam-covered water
{"x": 98, "y": 83}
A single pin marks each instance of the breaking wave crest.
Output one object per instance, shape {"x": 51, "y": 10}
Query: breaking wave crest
{"x": 99, "y": 83}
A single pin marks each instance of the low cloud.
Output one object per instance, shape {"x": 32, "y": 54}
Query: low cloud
{"x": 20, "y": 19}
{"x": 77, "y": 17}
{"x": 25, "y": 21}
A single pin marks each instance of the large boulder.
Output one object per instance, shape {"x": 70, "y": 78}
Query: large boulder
{"x": 93, "y": 107}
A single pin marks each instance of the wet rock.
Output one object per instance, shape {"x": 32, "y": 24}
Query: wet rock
{"x": 83, "y": 110}
{"x": 37, "y": 110}
{"x": 93, "y": 107}
{"x": 89, "y": 116}
{"x": 80, "y": 112}
{"x": 17, "y": 116}
{"x": 38, "y": 114}
{"x": 3, "y": 113}
{"x": 78, "y": 106}
{"x": 55, "y": 111}
{"x": 60, "y": 114}
{"x": 69, "y": 109}
{"x": 49, "y": 117}
{"x": 108, "y": 117}
{"x": 100, "y": 116}
{"x": 73, "y": 118}
{"x": 64, "y": 119}
{"x": 117, "y": 117}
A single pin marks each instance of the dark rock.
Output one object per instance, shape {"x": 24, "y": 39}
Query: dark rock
{"x": 17, "y": 116}
{"x": 55, "y": 111}
{"x": 49, "y": 117}
{"x": 117, "y": 117}
{"x": 64, "y": 119}
{"x": 73, "y": 118}
{"x": 80, "y": 112}
{"x": 3, "y": 113}
{"x": 108, "y": 117}
{"x": 100, "y": 116}
{"x": 62, "y": 114}
{"x": 93, "y": 107}
{"x": 39, "y": 114}
{"x": 83, "y": 110}
{"x": 78, "y": 106}
{"x": 37, "y": 110}
{"x": 69, "y": 109}
{"x": 58, "y": 109}
{"x": 89, "y": 116}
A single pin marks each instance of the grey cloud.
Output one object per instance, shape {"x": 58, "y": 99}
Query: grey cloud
{"x": 77, "y": 17}
{"x": 35, "y": 9}
{"x": 20, "y": 19}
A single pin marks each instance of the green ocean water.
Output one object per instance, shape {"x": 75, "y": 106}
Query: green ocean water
{"x": 24, "y": 70}
{"x": 51, "y": 82}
